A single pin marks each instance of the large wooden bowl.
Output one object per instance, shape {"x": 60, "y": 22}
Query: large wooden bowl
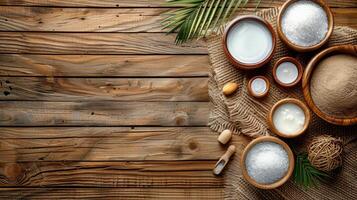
{"x": 277, "y": 183}
{"x": 295, "y": 47}
{"x": 346, "y": 49}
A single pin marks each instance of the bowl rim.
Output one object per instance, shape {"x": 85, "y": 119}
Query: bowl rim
{"x": 346, "y": 49}
{"x": 237, "y": 63}
{"x": 297, "y": 64}
{"x": 277, "y": 183}
{"x": 250, "y": 91}
{"x": 296, "y": 102}
{"x": 298, "y": 48}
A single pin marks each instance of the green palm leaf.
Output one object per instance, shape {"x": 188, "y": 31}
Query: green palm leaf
{"x": 197, "y": 18}
{"x": 305, "y": 174}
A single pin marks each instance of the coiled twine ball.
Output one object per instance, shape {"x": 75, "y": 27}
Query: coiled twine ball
{"x": 325, "y": 152}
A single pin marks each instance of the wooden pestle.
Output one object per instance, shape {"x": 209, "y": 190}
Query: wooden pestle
{"x": 222, "y": 162}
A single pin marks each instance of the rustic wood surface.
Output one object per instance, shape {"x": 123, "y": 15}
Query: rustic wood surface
{"x": 96, "y": 101}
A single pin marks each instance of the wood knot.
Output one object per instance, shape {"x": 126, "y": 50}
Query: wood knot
{"x": 181, "y": 118}
{"x": 192, "y": 145}
{"x": 12, "y": 171}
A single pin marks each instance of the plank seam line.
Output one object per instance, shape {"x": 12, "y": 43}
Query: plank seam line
{"x": 132, "y": 7}
{"x": 94, "y": 126}
{"x": 114, "y": 77}
{"x": 141, "y": 7}
{"x": 134, "y": 54}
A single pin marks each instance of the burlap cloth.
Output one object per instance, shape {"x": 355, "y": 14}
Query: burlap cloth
{"x": 246, "y": 115}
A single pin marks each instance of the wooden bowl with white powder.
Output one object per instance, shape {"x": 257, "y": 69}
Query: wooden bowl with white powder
{"x": 330, "y": 85}
{"x": 267, "y": 162}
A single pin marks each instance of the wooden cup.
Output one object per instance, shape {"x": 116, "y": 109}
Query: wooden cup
{"x": 296, "y": 102}
{"x": 250, "y": 90}
{"x": 277, "y": 183}
{"x": 295, "y": 47}
{"x": 237, "y": 63}
{"x": 292, "y": 60}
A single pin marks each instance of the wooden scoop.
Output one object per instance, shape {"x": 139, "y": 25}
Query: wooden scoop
{"x": 222, "y": 162}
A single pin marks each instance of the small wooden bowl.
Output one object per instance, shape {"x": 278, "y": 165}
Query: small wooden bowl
{"x": 296, "y": 102}
{"x": 295, "y": 47}
{"x": 292, "y": 60}
{"x": 346, "y": 49}
{"x": 250, "y": 91}
{"x": 279, "y": 182}
{"x": 237, "y": 63}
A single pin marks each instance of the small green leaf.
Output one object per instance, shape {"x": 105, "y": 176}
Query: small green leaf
{"x": 305, "y": 174}
{"x": 196, "y": 18}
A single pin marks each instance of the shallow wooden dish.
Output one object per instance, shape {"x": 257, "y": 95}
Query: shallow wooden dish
{"x": 295, "y": 47}
{"x": 292, "y": 60}
{"x": 250, "y": 91}
{"x": 234, "y": 61}
{"x": 346, "y": 49}
{"x": 288, "y": 173}
{"x": 294, "y": 101}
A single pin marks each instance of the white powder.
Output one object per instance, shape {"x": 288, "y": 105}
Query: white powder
{"x": 267, "y": 162}
{"x": 259, "y": 86}
{"x": 304, "y": 23}
{"x": 287, "y": 72}
{"x": 249, "y": 41}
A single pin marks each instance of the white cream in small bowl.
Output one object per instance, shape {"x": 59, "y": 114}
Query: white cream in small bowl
{"x": 249, "y": 42}
{"x": 289, "y": 118}
{"x": 258, "y": 86}
{"x": 287, "y": 72}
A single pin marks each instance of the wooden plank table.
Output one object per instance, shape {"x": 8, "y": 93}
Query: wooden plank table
{"x": 98, "y": 102}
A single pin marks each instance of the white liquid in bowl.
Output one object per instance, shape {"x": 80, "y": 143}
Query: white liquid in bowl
{"x": 287, "y": 72}
{"x": 249, "y": 41}
{"x": 259, "y": 86}
{"x": 289, "y": 118}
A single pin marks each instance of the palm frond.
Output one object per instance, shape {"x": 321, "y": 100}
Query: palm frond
{"x": 305, "y": 174}
{"x": 197, "y": 18}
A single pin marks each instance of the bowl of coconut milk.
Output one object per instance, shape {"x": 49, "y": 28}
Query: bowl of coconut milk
{"x": 289, "y": 118}
{"x": 249, "y": 42}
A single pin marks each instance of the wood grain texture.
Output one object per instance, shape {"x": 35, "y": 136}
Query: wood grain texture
{"x": 182, "y": 174}
{"x": 345, "y": 16}
{"x": 104, "y": 65}
{"x": 94, "y": 43}
{"x": 15, "y": 18}
{"x": 111, "y": 144}
{"x": 86, "y": 3}
{"x": 99, "y": 89}
{"x": 112, "y": 193}
{"x": 103, "y": 113}
{"x": 144, "y": 3}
